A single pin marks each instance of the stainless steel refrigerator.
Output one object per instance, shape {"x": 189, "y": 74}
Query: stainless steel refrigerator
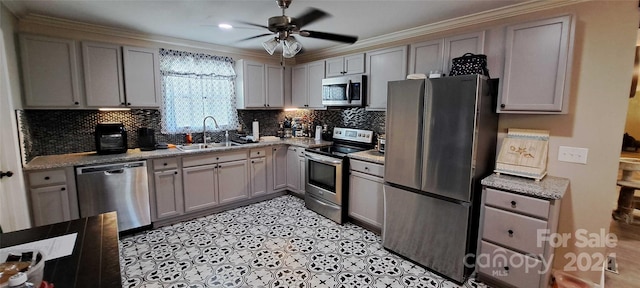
{"x": 440, "y": 141}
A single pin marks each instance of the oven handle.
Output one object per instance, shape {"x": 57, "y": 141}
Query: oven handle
{"x": 323, "y": 159}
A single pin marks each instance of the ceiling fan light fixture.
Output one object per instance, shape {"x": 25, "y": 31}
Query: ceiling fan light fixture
{"x": 270, "y": 45}
{"x": 225, "y": 26}
{"x": 290, "y": 47}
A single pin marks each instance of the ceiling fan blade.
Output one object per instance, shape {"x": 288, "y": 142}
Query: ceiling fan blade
{"x": 251, "y": 24}
{"x": 309, "y": 16}
{"x": 329, "y": 36}
{"x": 257, "y": 36}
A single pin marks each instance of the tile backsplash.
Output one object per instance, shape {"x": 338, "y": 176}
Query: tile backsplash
{"x": 51, "y": 132}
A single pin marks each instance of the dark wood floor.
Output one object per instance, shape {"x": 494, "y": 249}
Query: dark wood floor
{"x": 627, "y": 253}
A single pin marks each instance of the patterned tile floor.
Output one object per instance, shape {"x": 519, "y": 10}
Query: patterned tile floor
{"x": 275, "y": 243}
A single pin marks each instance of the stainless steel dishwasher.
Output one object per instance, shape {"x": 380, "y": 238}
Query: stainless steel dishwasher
{"x": 120, "y": 187}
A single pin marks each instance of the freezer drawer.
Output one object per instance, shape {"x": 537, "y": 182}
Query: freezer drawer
{"x": 427, "y": 230}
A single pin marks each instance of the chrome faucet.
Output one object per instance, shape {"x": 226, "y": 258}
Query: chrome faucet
{"x": 204, "y": 128}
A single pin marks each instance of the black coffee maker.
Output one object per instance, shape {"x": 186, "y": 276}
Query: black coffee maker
{"x": 146, "y": 139}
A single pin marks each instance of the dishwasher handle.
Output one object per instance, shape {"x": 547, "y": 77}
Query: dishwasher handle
{"x": 109, "y": 168}
{"x": 114, "y": 172}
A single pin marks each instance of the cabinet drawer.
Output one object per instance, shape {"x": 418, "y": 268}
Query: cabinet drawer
{"x": 255, "y": 153}
{"x": 206, "y": 159}
{"x": 509, "y": 266}
{"x": 47, "y": 177}
{"x": 165, "y": 163}
{"x": 367, "y": 167}
{"x": 517, "y": 203}
{"x": 513, "y": 230}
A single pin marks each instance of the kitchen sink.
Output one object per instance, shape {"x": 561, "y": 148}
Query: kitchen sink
{"x": 202, "y": 146}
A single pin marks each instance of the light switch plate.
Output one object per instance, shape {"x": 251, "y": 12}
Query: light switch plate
{"x": 573, "y": 154}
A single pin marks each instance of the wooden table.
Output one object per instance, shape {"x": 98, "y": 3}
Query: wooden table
{"x": 95, "y": 259}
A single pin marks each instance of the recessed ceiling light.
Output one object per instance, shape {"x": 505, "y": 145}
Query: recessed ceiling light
{"x": 225, "y": 26}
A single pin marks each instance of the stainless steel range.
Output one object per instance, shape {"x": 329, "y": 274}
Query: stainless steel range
{"x": 327, "y": 172}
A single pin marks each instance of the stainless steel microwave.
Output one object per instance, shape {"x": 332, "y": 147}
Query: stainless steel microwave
{"x": 344, "y": 91}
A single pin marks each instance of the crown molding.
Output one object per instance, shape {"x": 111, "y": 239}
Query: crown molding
{"x": 53, "y": 22}
{"x": 442, "y": 26}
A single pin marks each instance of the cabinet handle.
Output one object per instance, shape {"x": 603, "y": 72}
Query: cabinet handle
{"x": 268, "y": 105}
{"x": 165, "y": 164}
{"x": 76, "y": 103}
{"x": 265, "y": 105}
{"x": 6, "y": 174}
{"x": 176, "y": 172}
{"x": 502, "y": 105}
{"x": 513, "y": 204}
{"x": 506, "y": 268}
{"x": 258, "y": 153}
{"x": 46, "y": 178}
{"x": 252, "y": 161}
{"x": 62, "y": 189}
{"x": 122, "y": 103}
{"x": 128, "y": 103}
{"x": 510, "y": 233}
{"x": 366, "y": 168}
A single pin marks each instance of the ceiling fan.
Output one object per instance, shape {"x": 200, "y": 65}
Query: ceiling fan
{"x": 284, "y": 27}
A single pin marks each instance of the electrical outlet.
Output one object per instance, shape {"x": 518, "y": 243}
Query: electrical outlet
{"x": 573, "y": 154}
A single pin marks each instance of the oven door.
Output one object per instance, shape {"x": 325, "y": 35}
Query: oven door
{"x": 323, "y": 177}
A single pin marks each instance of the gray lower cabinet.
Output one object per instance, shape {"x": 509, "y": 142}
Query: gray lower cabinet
{"x": 366, "y": 197}
{"x": 258, "y": 172}
{"x": 213, "y": 179}
{"x": 509, "y": 253}
{"x": 166, "y": 189}
{"x": 279, "y": 167}
{"x": 295, "y": 169}
{"x": 53, "y": 195}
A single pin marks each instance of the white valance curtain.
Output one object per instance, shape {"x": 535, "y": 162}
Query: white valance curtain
{"x": 196, "y": 85}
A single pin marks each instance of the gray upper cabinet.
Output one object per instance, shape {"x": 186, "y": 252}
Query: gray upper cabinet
{"x": 106, "y": 69}
{"x": 259, "y": 85}
{"x": 306, "y": 82}
{"x": 383, "y": 66}
{"x": 274, "y": 80}
{"x": 537, "y": 67}
{"x": 346, "y": 65}
{"x": 458, "y": 45}
{"x": 426, "y": 57}
{"x": 50, "y": 72}
{"x": 103, "y": 78}
{"x": 142, "y": 77}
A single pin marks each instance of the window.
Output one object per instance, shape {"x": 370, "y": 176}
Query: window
{"x": 194, "y": 86}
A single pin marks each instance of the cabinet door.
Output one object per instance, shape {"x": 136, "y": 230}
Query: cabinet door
{"x": 50, "y": 72}
{"x": 253, "y": 83}
{"x": 50, "y": 205}
{"x": 141, "y": 77}
{"x": 258, "y": 176}
{"x": 233, "y": 183}
{"x": 536, "y": 68}
{"x": 334, "y": 67}
{"x": 279, "y": 167}
{"x": 384, "y": 66}
{"x": 366, "y": 198}
{"x": 303, "y": 173}
{"x": 354, "y": 64}
{"x": 315, "y": 74}
{"x": 299, "y": 91}
{"x": 457, "y": 46}
{"x": 103, "y": 74}
{"x": 293, "y": 169}
{"x": 200, "y": 184}
{"x": 275, "y": 86}
{"x": 426, "y": 57}
{"x": 168, "y": 192}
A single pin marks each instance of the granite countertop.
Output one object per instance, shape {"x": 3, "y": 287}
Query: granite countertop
{"x": 370, "y": 155}
{"x": 549, "y": 187}
{"x": 92, "y": 158}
